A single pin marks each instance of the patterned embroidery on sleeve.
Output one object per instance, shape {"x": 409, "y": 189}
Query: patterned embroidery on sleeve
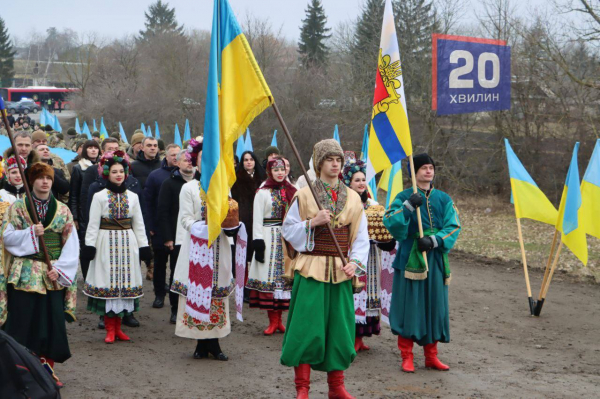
{"x": 310, "y": 236}
{"x": 361, "y": 270}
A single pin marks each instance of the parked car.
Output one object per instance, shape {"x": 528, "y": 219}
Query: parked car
{"x": 24, "y": 107}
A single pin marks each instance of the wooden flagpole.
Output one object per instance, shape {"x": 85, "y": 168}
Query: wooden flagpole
{"x": 33, "y": 212}
{"x": 312, "y": 189}
{"x": 524, "y": 259}
{"x": 538, "y": 308}
{"x": 419, "y": 222}
{"x": 540, "y": 301}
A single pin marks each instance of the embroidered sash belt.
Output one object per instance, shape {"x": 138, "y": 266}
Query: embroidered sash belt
{"x": 272, "y": 222}
{"x": 52, "y": 239}
{"x": 324, "y": 245}
{"x": 115, "y": 224}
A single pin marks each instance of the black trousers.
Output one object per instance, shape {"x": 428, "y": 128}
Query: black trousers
{"x": 161, "y": 255}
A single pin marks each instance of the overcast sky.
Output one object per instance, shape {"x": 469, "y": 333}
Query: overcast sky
{"x": 116, "y": 18}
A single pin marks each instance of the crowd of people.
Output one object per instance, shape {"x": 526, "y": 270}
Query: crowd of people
{"x": 115, "y": 206}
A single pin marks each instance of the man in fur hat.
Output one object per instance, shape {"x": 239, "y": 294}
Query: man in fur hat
{"x": 320, "y": 325}
{"x": 33, "y": 301}
{"x": 419, "y": 308}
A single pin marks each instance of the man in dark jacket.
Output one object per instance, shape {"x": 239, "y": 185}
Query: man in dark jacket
{"x": 60, "y": 185}
{"x": 168, "y": 211}
{"x": 147, "y": 160}
{"x": 151, "y": 191}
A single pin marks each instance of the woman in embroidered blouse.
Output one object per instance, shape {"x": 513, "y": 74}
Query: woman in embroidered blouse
{"x": 114, "y": 234}
{"x": 269, "y": 291}
{"x": 367, "y": 303}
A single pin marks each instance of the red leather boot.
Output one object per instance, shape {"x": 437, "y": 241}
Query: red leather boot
{"x": 109, "y": 323}
{"x": 337, "y": 390}
{"x": 120, "y": 335}
{"x": 273, "y": 322}
{"x": 406, "y": 345}
{"x": 431, "y": 359}
{"x": 280, "y": 326}
{"x": 302, "y": 380}
{"x": 359, "y": 345}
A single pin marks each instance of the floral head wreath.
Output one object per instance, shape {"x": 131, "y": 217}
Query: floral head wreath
{"x": 350, "y": 168}
{"x": 109, "y": 159}
{"x": 11, "y": 163}
{"x": 194, "y": 148}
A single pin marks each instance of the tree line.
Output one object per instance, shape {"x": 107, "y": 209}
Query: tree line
{"x": 327, "y": 78}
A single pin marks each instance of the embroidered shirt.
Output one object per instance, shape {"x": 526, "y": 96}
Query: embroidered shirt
{"x": 41, "y": 206}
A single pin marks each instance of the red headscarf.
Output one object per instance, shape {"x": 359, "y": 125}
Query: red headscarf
{"x": 288, "y": 189}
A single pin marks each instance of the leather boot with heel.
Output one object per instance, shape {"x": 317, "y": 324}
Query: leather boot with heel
{"x": 406, "y": 346}
{"x": 431, "y": 359}
{"x": 302, "y": 380}
{"x": 337, "y": 390}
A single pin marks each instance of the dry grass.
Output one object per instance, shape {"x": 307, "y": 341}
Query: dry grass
{"x": 490, "y": 230}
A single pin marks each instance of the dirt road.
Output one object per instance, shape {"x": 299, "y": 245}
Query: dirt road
{"x": 497, "y": 350}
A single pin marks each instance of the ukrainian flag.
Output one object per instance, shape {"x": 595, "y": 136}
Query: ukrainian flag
{"x": 389, "y": 139}
{"x": 364, "y": 156}
{"x": 590, "y": 194}
{"x": 237, "y": 93}
{"x": 573, "y": 232}
{"x": 530, "y": 202}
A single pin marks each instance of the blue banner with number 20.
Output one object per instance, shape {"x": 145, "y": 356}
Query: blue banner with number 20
{"x": 470, "y": 75}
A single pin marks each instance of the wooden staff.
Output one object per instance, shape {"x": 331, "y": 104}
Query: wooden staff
{"x": 540, "y": 301}
{"x": 312, "y": 189}
{"x": 33, "y": 213}
{"x": 524, "y": 258}
{"x": 420, "y": 223}
{"x": 538, "y": 308}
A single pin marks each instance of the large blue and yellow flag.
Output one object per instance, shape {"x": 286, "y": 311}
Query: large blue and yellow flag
{"x": 237, "y": 93}
{"x": 389, "y": 139}
{"x": 569, "y": 217}
{"x": 530, "y": 202}
{"x": 590, "y": 194}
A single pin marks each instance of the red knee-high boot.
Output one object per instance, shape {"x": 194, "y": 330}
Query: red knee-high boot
{"x": 280, "y": 326}
{"x": 359, "y": 344}
{"x": 109, "y": 323}
{"x": 337, "y": 390}
{"x": 120, "y": 335}
{"x": 302, "y": 380}
{"x": 431, "y": 359}
{"x": 273, "y": 322}
{"x": 406, "y": 345}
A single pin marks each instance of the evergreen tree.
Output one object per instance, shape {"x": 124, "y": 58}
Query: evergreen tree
{"x": 160, "y": 19}
{"x": 415, "y": 22}
{"x": 365, "y": 47}
{"x": 7, "y": 54}
{"x": 312, "y": 48}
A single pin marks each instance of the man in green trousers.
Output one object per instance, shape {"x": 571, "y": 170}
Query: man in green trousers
{"x": 419, "y": 308}
{"x": 320, "y": 327}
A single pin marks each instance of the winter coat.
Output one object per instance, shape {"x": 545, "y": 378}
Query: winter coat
{"x": 89, "y": 177}
{"x": 168, "y": 204}
{"x": 243, "y": 191}
{"x": 151, "y": 191}
{"x": 141, "y": 167}
{"x": 76, "y": 205}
